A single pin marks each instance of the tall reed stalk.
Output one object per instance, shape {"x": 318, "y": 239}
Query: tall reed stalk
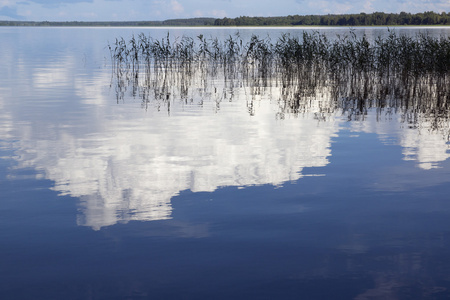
{"x": 407, "y": 73}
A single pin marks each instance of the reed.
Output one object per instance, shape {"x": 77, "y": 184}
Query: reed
{"x": 400, "y": 54}
{"x": 406, "y": 73}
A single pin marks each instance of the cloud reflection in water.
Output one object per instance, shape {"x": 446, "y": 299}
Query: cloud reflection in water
{"x": 201, "y": 133}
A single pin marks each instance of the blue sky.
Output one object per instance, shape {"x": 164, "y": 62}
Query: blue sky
{"x": 130, "y": 10}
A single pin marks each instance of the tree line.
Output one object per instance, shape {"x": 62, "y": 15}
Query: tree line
{"x": 171, "y": 22}
{"x": 361, "y": 19}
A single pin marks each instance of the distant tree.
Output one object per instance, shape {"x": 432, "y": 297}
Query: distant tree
{"x": 361, "y": 19}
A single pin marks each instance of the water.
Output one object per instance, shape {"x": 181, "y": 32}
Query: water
{"x": 223, "y": 194}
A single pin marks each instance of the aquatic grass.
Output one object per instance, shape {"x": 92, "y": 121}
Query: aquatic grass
{"x": 409, "y": 74}
{"x": 396, "y": 53}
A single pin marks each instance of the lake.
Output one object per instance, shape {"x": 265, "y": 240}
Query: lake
{"x": 212, "y": 187}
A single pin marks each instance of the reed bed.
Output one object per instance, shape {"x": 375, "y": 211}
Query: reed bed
{"x": 397, "y": 54}
{"x": 400, "y": 73}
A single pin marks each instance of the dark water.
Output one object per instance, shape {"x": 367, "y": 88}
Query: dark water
{"x": 219, "y": 192}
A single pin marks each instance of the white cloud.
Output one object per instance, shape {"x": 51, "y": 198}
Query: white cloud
{"x": 210, "y": 13}
{"x": 129, "y": 168}
{"x": 105, "y": 10}
{"x": 6, "y": 3}
{"x": 218, "y": 13}
{"x": 368, "y": 6}
{"x": 177, "y": 8}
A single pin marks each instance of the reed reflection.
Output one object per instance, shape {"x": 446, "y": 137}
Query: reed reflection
{"x": 124, "y": 165}
{"x": 348, "y": 75}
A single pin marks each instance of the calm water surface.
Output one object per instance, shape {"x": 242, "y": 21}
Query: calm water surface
{"x": 217, "y": 193}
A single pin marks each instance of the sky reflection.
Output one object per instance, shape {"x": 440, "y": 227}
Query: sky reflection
{"x": 125, "y": 157}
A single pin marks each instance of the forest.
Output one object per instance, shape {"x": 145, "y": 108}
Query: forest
{"x": 171, "y": 22}
{"x": 361, "y": 19}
